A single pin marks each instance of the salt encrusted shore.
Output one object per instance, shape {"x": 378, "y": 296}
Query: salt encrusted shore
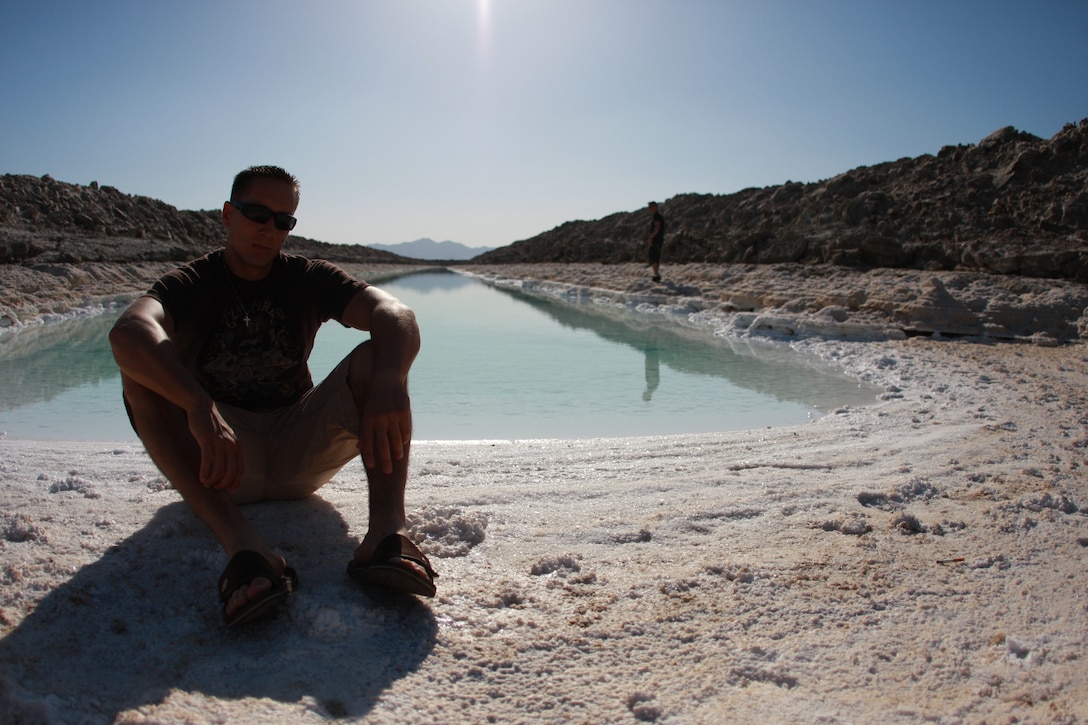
{"x": 825, "y": 300}
{"x": 48, "y": 293}
{"x": 920, "y": 559}
{"x": 798, "y": 300}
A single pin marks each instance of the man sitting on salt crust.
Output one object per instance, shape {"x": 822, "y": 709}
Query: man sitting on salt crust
{"x": 214, "y": 369}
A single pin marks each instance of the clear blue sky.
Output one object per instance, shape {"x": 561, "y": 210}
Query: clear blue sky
{"x": 490, "y": 121}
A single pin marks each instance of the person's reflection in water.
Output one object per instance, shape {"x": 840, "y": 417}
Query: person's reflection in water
{"x": 653, "y": 368}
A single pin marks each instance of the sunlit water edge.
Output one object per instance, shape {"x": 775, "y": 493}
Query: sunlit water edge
{"x": 864, "y": 395}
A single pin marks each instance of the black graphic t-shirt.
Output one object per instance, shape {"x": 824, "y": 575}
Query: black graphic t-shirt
{"x": 248, "y": 342}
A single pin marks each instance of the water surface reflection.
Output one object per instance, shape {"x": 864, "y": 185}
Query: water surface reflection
{"x": 770, "y": 370}
{"x": 39, "y": 363}
{"x": 496, "y": 363}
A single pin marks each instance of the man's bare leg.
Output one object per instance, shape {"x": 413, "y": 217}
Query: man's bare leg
{"x": 386, "y": 490}
{"x": 164, "y": 431}
{"x": 386, "y": 504}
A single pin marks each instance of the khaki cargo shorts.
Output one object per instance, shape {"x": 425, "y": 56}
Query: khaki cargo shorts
{"x": 291, "y": 452}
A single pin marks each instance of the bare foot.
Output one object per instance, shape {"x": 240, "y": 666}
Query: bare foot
{"x": 244, "y": 594}
{"x": 364, "y": 553}
{"x": 253, "y": 589}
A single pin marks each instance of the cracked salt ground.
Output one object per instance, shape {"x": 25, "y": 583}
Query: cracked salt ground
{"x": 920, "y": 559}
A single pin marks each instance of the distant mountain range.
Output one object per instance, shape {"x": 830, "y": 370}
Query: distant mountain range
{"x": 430, "y": 249}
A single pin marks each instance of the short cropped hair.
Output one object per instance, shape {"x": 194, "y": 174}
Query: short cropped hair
{"x": 245, "y": 178}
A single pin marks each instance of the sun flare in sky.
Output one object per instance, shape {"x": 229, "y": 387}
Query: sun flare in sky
{"x": 484, "y": 10}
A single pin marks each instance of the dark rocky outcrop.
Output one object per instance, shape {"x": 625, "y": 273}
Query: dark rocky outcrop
{"x": 1011, "y": 204}
{"x": 45, "y": 221}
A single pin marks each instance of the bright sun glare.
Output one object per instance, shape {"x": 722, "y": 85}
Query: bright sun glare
{"x": 484, "y": 24}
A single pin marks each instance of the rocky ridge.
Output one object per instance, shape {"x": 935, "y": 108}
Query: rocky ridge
{"x": 985, "y": 240}
{"x": 1011, "y": 204}
{"x": 68, "y": 246}
{"x": 45, "y": 221}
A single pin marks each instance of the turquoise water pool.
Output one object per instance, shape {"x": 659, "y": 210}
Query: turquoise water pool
{"x": 495, "y": 364}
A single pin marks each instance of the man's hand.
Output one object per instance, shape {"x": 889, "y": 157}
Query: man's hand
{"x": 143, "y": 347}
{"x": 385, "y": 425}
{"x": 221, "y": 464}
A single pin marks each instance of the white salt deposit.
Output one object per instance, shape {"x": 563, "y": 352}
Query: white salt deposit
{"x": 921, "y": 559}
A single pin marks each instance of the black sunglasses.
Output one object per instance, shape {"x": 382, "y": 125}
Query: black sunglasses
{"x": 260, "y": 213}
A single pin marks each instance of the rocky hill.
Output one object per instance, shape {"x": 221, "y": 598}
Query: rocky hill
{"x": 1013, "y": 207}
{"x": 43, "y": 220}
{"x": 1011, "y": 204}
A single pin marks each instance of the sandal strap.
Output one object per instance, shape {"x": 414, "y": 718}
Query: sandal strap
{"x": 398, "y": 545}
{"x": 244, "y": 567}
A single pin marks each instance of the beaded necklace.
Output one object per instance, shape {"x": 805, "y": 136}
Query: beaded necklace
{"x": 230, "y": 281}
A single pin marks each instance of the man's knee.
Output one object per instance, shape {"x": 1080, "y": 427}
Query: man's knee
{"x": 145, "y": 407}
{"x": 361, "y": 368}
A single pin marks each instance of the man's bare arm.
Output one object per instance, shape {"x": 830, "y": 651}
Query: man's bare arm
{"x": 143, "y": 348}
{"x": 145, "y": 352}
{"x": 385, "y": 419}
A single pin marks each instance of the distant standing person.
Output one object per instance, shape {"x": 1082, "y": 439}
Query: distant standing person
{"x": 657, "y": 239}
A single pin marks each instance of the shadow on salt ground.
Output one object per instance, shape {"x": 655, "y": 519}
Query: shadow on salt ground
{"x": 144, "y": 620}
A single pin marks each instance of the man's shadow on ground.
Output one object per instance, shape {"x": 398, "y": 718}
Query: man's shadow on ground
{"x": 144, "y": 620}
